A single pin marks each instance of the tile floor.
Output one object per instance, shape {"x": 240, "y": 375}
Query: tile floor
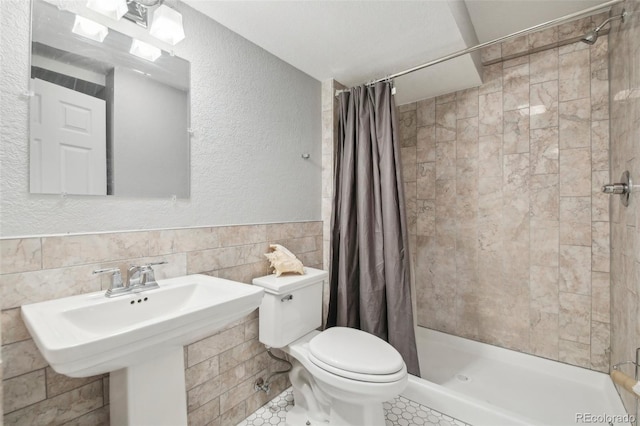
{"x": 399, "y": 412}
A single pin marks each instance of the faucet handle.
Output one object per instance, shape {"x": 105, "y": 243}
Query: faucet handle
{"x": 142, "y": 275}
{"x": 116, "y": 279}
{"x": 105, "y": 270}
{"x": 149, "y": 265}
{"x": 147, "y": 274}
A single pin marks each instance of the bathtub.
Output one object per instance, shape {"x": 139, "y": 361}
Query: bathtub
{"x": 482, "y": 384}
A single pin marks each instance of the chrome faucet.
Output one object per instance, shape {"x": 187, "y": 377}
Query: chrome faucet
{"x": 134, "y": 276}
{"x": 142, "y": 277}
{"x": 139, "y": 278}
{"x": 117, "y": 287}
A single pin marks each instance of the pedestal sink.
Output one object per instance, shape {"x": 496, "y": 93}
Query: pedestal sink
{"x": 138, "y": 339}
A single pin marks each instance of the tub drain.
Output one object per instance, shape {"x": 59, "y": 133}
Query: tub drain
{"x": 462, "y": 378}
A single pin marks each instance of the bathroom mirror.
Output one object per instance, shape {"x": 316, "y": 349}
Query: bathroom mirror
{"x": 102, "y": 120}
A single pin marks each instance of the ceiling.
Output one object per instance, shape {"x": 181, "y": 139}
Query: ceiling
{"x": 358, "y": 41}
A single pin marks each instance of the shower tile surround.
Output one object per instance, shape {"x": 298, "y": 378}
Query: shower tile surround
{"x": 509, "y": 232}
{"x": 220, "y": 369}
{"x": 625, "y": 222}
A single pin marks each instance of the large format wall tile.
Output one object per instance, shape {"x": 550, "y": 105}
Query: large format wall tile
{"x": 511, "y": 228}
{"x": 24, "y": 390}
{"x": 78, "y": 250}
{"x": 59, "y": 409}
{"x": 622, "y": 107}
{"x": 20, "y": 255}
{"x": 219, "y": 369}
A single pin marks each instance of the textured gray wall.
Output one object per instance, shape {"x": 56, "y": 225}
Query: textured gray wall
{"x": 253, "y": 116}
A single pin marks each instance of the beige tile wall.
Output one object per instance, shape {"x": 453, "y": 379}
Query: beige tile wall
{"x": 220, "y": 369}
{"x": 625, "y": 222}
{"x": 511, "y": 234}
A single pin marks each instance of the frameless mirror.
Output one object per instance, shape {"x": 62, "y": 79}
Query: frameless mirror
{"x": 102, "y": 120}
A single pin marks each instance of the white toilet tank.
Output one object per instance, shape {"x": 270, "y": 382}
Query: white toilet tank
{"x": 291, "y": 306}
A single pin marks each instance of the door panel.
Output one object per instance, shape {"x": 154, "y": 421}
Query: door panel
{"x": 68, "y": 143}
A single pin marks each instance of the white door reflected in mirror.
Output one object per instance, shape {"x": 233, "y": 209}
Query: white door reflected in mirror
{"x": 68, "y": 145}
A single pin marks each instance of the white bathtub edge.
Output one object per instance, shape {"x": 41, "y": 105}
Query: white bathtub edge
{"x": 480, "y": 412}
{"x": 460, "y": 406}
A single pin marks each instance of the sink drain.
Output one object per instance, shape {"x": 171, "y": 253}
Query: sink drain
{"x": 462, "y": 378}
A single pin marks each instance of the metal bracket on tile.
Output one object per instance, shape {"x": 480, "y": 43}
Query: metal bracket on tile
{"x": 636, "y": 365}
{"x": 620, "y": 364}
{"x": 623, "y": 188}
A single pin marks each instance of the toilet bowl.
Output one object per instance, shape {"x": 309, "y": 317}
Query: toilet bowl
{"x": 340, "y": 376}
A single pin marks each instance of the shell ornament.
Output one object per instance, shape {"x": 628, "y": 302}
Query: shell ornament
{"x": 283, "y": 261}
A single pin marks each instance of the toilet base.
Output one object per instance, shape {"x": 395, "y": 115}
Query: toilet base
{"x": 341, "y": 415}
{"x": 313, "y": 406}
{"x": 298, "y": 416}
{"x": 322, "y": 398}
{"x": 346, "y": 414}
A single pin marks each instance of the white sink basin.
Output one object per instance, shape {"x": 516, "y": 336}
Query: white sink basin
{"x": 90, "y": 334}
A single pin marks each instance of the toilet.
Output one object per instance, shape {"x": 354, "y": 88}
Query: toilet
{"x": 340, "y": 376}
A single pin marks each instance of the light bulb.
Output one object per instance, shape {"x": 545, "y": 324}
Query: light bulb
{"x": 144, "y": 50}
{"x": 167, "y": 25}
{"x": 114, "y": 9}
{"x": 87, "y": 28}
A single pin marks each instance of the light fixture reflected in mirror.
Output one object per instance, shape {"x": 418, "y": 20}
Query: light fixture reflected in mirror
{"x": 164, "y": 23}
{"x": 144, "y": 50}
{"x": 138, "y": 12}
{"x": 87, "y": 28}
{"x": 167, "y": 25}
{"x": 114, "y": 9}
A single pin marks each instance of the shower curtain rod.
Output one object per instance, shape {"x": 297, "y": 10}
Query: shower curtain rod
{"x": 535, "y": 28}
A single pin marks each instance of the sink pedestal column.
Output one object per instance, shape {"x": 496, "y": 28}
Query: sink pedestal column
{"x": 152, "y": 393}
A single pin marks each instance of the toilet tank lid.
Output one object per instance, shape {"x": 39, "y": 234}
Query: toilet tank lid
{"x": 290, "y": 282}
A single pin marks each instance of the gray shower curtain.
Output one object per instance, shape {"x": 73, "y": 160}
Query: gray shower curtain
{"x": 370, "y": 285}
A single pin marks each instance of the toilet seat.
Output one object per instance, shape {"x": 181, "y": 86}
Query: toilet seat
{"x": 370, "y": 378}
{"x": 356, "y": 355}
